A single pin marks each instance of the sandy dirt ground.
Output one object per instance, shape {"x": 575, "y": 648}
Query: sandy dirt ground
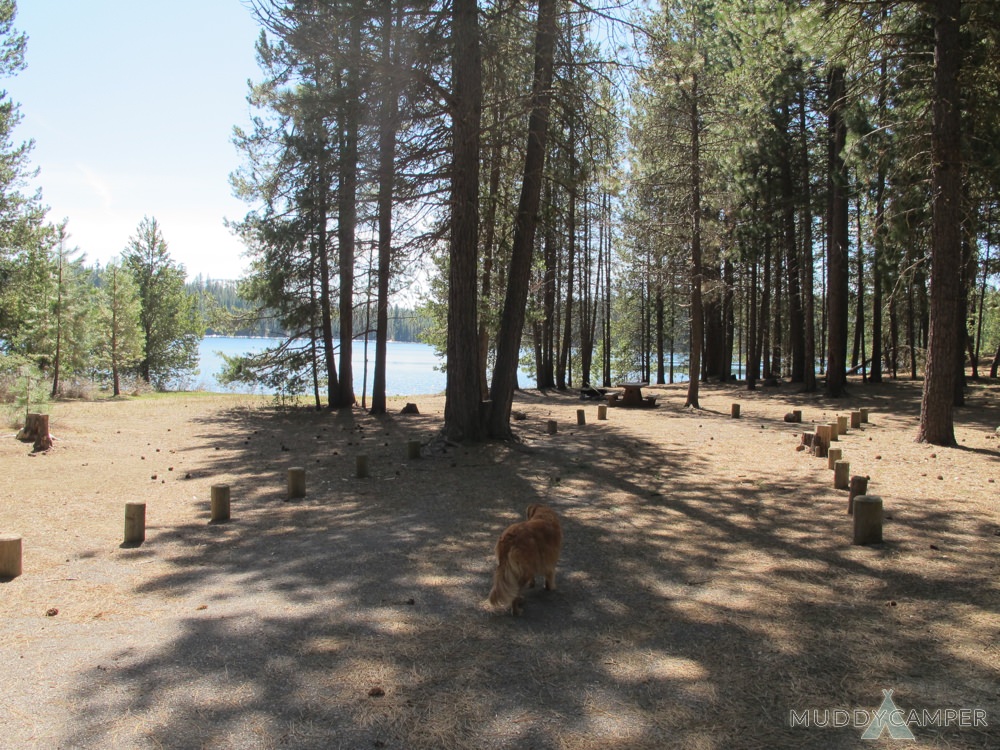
{"x": 709, "y": 595}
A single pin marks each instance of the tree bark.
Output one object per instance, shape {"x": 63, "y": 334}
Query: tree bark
{"x": 462, "y": 418}
{"x": 697, "y": 313}
{"x": 838, "y": 239}
{"x": 936, "y": 408}
{"x": 509, "y": 340}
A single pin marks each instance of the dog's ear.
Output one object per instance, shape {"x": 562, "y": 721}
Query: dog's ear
{"x": 531, "y": 510}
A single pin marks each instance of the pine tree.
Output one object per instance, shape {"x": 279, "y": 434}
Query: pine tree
{"x": 170, "y": 322}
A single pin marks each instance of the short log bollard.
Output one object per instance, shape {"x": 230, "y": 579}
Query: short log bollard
{"x": 735, "y": 411}
{"x": 821, "y": 442}
{"x": 864, "y": 415}
{"x": 867, "y": 519}
{"x": 296, "y": 482}
{"x": 220, "y": 503}
{"x": 135, "y": 524}
{"x": 855, "y": 420}
{"x": 832, "y": 456}
{"x": 413, "y": 449}
{"x": 842, "y": 475}
{"x": 551, "y": 427}
{"x": 361, "y": 467}
{"x": 834, "y": 431}
{"x": 10, "y": 556}
{"x": 602, "y": 411}
{"x": 842, "y": 425}
{"x": 581, "y": 417}
{"x": 859, "y": 486}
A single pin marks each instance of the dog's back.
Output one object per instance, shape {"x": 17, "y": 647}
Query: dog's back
{"x": 526, "y": 549}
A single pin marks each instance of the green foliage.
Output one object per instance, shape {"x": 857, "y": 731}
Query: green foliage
{"x": 170, "y": 320}
{"x": 23, "y": 387}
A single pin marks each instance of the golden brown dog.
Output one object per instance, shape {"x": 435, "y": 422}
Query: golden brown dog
{"x": 526, "y": 549}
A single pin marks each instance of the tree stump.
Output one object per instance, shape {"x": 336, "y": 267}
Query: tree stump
{"x": 361, "y": 467}
{"x": 832, "y": 456}
{"x": 856, "y": 420}
{"x": 413, "y": 449}
{"x": 296, "y": 482}
{"x": 842, "y": 425}
{"x": 867, "y": 519}
{"x": 135, "y": 524}
{"x": 10, "y": 556}
{"x": 841, "y": 475}
{"x": 864, "y": 415}
{"x": 220, "y": 503}
{"x": 581, "y": 417}
{"x": 834, "y": 431}
{"x": 859, "y": 486}
{"x": 735, "y": 411}
{"x": 551, "y": 427}
{"x": 602, "y": 411}
{"x": 36, "y": 430}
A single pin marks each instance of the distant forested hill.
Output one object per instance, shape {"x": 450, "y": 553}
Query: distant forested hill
{"x": 228, "y": 314}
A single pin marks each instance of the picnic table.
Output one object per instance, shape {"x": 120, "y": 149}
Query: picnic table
{"x": 631, "y": 396}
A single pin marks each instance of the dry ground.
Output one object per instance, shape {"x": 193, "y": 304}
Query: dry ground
{"x": 708, "y": 594}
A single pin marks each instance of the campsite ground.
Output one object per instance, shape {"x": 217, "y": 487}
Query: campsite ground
{"x": 708, "y": 597}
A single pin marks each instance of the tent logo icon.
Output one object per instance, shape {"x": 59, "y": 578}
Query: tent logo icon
{"x": 888, "y": 718}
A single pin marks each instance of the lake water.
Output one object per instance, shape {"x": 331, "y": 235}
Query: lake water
{"x": 411, "y": 369}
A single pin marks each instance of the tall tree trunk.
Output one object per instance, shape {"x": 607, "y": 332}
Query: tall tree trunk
{"x": 837, "y": 238}
{"x": 347, "y": 214}
{"x": 320, "y": 253}
{"x": 565, "y": 377}
{"x": 386, "y": 175}
{"x": 509, "y": 340}
{"x": 808, "y": 280}
{"x": 796, "y": 327}
{"x": 462, "y": 417}
{"x": 858, "y": 351}
{"x": 936, "y": 407}
{"x": 697, "y": 313}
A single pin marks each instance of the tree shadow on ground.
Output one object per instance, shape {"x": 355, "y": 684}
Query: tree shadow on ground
{"x": 690, "y": 612}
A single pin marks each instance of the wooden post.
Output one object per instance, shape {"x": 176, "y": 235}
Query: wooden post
{"x": 551, "y": 427}
{"x": 220, "y": 503}
{"x": 135, "y": 523}
{"x": 821, "y": 442}
{"x": 296, "y": 482}
{"x": 10, "y": 556}
{"x": 832, "y": 456}
{"x": 859, "y": 486}
{"x": 864, "y": 414}
{"x": 867, "y": 519}
{"x": 841, "y": 475}
{"x": 797, "y": 415}
{"x": 834, "y": 431}
{"x": 581, "y": 417}
{"x": 735, "y": 411}
{"x": 855, "y": 420}
{"x": 842, "y": 425}
{"x": 602, "y": 411}
{"x": 361, "y": 467}
{"x": 413, "y": 449}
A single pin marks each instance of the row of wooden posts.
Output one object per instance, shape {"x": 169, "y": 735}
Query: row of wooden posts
{"x": 866, "y": 509}
{"x": 11, "y": 551}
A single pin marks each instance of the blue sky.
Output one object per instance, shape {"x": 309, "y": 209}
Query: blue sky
{"x": 131, "y": 104}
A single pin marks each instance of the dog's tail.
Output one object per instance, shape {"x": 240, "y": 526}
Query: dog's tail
{"x": 507, "y": 576}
